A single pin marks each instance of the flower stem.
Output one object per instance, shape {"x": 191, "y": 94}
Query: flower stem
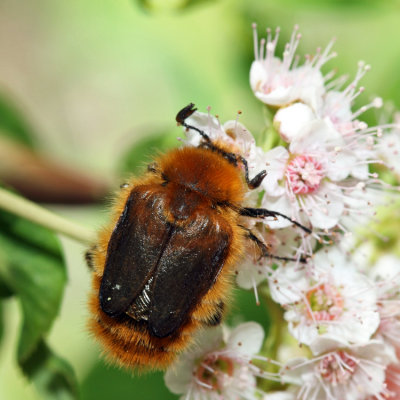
{"x": 275, "y": 336}
{"x": 39, "y": 215}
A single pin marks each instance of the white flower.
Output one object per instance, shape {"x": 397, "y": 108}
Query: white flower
{"x": 319, "y": 179}
{"x": 331, "y": 300}
{"x": 352, "y": 373}
{"x": 279, "y": 82}
{"x": 337, "y": 103}
{"x": 358, "y": 136}
{"x": 323, "y": 176}
{"x": 354, "y": 140}
{"x": 303, "y": 181}
{"x": 218, "y": 368}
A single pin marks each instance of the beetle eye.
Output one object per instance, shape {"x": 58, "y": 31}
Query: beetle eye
{"x": 165, "y": 179}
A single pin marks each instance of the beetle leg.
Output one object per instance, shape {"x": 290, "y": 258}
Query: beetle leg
{"x": 263, "y": 212}
{"x": 264, "y": 249}
{"x": 89, "y": 257}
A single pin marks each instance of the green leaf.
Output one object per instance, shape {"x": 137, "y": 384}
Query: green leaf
{"x": 32, "y": 267}
{"x": 5, "y": 291}
{"x": 52, "y": 376}
{"x": 13, "y": 123}
{"x": 142, "y": 152}
{"x": 35, "y": 271}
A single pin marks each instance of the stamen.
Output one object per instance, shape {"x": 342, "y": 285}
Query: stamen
{"x": 209, "y": 120}
{"x": 262, "y": 47}
{"x": 304, "y": 174}
{"x": 255, "y": 290}
{"x": 255, "y": 40}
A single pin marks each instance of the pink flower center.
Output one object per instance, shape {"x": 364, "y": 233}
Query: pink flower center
{"x": 337, "y": 368}
{"x": 304, "y": 174}
{"x": 210, "y": 372}
{"x": 326, "y": 303}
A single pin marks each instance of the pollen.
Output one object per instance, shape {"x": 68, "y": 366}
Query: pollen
{"x": 210, "y": 374}
{"x": 337, "y": 368}
{"x": 304, "y": 174}
{"x": 326, "y": 303}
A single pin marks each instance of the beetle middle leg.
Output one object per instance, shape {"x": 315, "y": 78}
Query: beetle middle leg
{"x": 264, "y": 249}
{"x": 89, "y": 257}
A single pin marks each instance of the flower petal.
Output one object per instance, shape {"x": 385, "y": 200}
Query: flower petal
{"x": 275, "y": 161}
{"x": 258, "y": 75}
{"x": 316, "y": 136}
{"x": 249, "y": 274}
{"x": 325, "y": 211}
{"x": 246, "y": 338}
{"x": 341, "y": 166}
{"x": 281, "y": 205}
{"x": 290, "y": 120}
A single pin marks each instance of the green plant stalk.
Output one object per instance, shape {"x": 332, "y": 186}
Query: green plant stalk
{"x": 270, "y": 137}
{"x": 276, "y": 333}
{"x": 33, "y": 212}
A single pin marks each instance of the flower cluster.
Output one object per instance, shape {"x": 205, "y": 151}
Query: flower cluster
{"x": 324, "y": 174}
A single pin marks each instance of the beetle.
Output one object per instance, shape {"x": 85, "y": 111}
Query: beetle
{"x": 163, "y": 268}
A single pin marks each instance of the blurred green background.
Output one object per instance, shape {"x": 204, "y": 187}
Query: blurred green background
{"x": 84, "y": 81}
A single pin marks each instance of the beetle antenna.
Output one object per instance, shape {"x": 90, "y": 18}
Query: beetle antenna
{"x": 233, "y": 158}
{"x": 256, "y": 181}
{"x": 185, "y": 113}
